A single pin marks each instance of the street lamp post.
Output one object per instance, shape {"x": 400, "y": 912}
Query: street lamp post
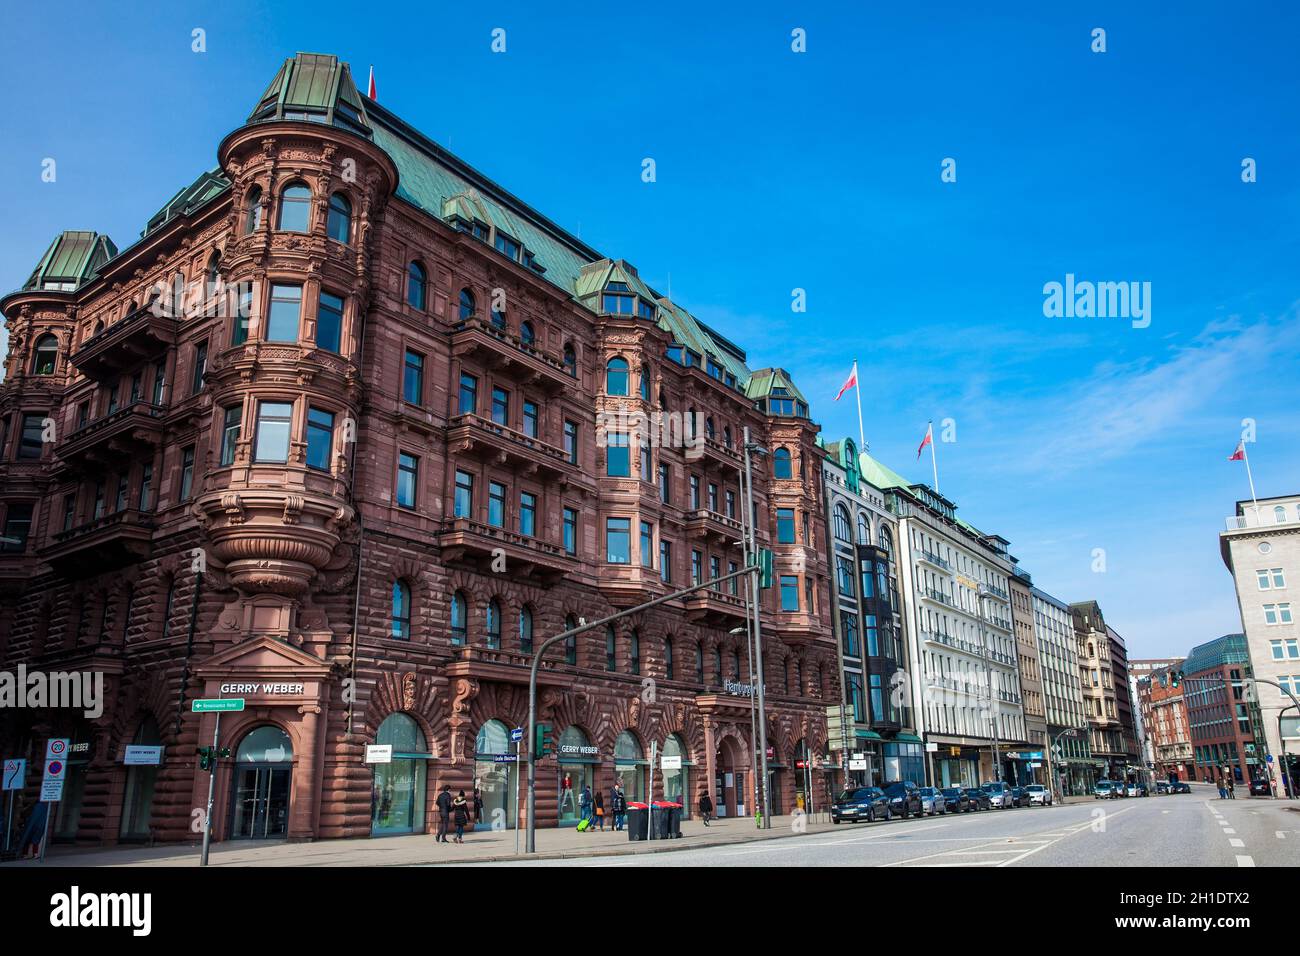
{"x": 757, "y": 627}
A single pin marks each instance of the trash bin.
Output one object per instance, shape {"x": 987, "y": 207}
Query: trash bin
{"x": 675, "y": 820}
{"x": 638, "y": 819}
{"x": 661, "y": 819}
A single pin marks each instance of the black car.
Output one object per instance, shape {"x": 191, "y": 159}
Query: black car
{"x": 979, "y": 800}
{"x": 1259, "y": 787}
{"x": 1020, "y": 796}
{"x": 957, "y": 800}
{"x": 1179, "y": 786}
{"x": 904, "y": 799}
{"x": 860, "y": 803}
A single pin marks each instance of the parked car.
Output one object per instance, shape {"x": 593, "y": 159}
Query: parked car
{"x": 1106, "y": 790}
{"x": 933, "y": 801}
{"x": 957, "y": 801}
{"x": 978, "y": 798}
{"x": 1180, "y": 786}
{"x": 1135, "y": 790}
{"x": 1162, "y": 786}
{"x": 904, "y": 799}
{"x": 857, "y": 804}
{"x": 1020, "y": 796}
{"x": 999, "y": 795}
{"x": 1259, "y": 787}
{"x": 1039, "y": 794}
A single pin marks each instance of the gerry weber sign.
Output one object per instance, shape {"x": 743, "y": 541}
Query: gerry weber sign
{"x": 247, "y": 689}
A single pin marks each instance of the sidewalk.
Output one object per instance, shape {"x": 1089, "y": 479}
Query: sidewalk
{"x": 481, "y": 846}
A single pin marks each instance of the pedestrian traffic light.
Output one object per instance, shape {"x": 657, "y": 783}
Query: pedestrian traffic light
{"x": 543, "y": 742}
{"x": 206, "y": 759}
{"x": 1164, "y": 678}
{"x": 764, "y": 567}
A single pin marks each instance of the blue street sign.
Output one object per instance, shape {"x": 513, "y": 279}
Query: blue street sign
{"x": 503, "y": 758}
{"x": 517, "y": 734}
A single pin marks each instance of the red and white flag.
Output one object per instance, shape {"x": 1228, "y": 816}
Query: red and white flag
{"x": 849, "y": 382}
{"x": 1240, "y": 453}
{"x": 928, "y": 439}
{"x": 372, "y": 94}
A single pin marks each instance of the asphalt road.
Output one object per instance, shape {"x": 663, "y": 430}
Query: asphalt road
{"x": 1181, "y": 830}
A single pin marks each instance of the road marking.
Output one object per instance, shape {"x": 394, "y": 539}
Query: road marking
{"x": 1229, "y": 831}
{"x": 1245, "y": 861}
{"x": 1281, "y": 834}
{"x": 1164, "y": 811}
{"x": 1237, "y": 843}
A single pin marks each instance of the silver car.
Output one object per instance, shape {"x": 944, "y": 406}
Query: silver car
{"x": 933, "y": 801}
{"x": 1038, "y": 794}
{"x": 999, "y": 796}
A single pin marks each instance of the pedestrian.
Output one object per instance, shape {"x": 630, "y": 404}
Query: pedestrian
{"x": 1232, "y": 795}
{"x": 618, "y": 805}
{"x": 444, "y": 812}
{"x": 584, "y": 808}
{"x": 1223, "y": 791}
{"x": 599, "y": 802}
{"x": 706, "y": 807}
{"x": 478, "y": 806}
{"x": 460, "y": 811}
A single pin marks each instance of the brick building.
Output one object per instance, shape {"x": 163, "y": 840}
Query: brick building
{"x": 1163, "y": 710}
{"x": 1222, "y": 714}
{"x": 345, "y": 432}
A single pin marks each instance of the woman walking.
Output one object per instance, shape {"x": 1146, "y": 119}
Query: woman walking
{"x": 706, "y": 807}
{"x": 460, "y": 814}
{"x": 600, "y": 809}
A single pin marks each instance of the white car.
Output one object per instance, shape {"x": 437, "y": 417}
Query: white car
{"x": 1039, "y": 794}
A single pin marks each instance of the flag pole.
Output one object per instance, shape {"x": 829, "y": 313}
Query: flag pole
{"x": 1245, "y": 455}
{"x": 857, "y": 387}
{"x": 934, "y": 462}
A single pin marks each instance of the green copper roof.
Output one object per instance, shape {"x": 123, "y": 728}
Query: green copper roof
{"x": 878, "y": 475}
{"x": 1229, "y": 649}
{"x": 315, "y": 88}
{"x": 209, "y": 184}
{"x": 72, "y": 259}
{"x": 765, "y": 380}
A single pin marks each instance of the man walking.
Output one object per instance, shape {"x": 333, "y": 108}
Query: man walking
{"x": 706, "y": 807}
{"x": 618, "y": 805}
{"x": 444, "y": 812}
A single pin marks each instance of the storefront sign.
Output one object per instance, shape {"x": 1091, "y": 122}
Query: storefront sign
{"x": 139, "y": 756}
{"x": 579, "y": 750}
{"x": 931, "y": 748}
{"x": 379, "y": 753}
{"x": 272, "y": 689}
{"x": 671, "y": 763}
{"x": 857, "y": 763}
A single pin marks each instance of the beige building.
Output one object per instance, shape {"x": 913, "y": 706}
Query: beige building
{"x": 1261, "y": 547}
{"x": 1035, "y": 767}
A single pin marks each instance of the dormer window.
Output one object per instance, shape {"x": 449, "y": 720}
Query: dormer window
{"x": 507, "y": 246}
{"x": 616, "y": 304}
{"x": 780, "y": 406}
{"x": 645, "y": 309}
{"x": 617, "y": 287}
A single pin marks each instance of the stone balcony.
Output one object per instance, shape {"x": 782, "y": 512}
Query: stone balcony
{"x": 127, "y": 434}
{"x": 480, "y": 545}
{"x": 484, "y": 439}
{"x": 507, "y": 355}
{"x": 141, "y": 335}
{"x": 109, "y": 541}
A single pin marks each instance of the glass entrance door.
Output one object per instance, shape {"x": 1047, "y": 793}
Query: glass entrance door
{"x": 261, "y": 803}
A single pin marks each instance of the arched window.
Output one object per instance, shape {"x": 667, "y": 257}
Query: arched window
{"x": 493, "y": 738}
{"x": 735, "y": 665}
{"x": 527, "y": 334}
{"x": 843, "y": 530}
{"x": 46, "y": 355}
{"x": 401, "y": 624}
{"x": 492, "y": 624}
{"x": 675, "y": 781}
{"x": 887, "y": 542}
{"x": 295, "y": 208}
{"x": 781, "y": 464}
{"x": 253, "y": 213}
{"x": 1279, "y": 514}
{"x": 416, "y": 279}
{"x": 864, "y": 529}
{"x": 726, "y": 436}
{"x": 629, "y": 763}
{"x": 400, "y": 783}
{"x": 570, "y": 361}
{"x": 634, "y": 653}
{"x": 709, "y": 431}
{"x": 616, "y": 376}
{"x": 458, "y": 610}
{"x": 668, "y": 658}
{"x": 645, "y": 383}
{"x": 467, "y": 305}
{"x": 525, "y": 630}
{"x": 692, "y": 417}
{"x": 213, "y": 276}
{"x": 499, "y": 319}
{"x": 717, "y": 664}
{"x": 627, "y": 747}
{"x": 266, "y": 744}
{"x": 339, "y": 223}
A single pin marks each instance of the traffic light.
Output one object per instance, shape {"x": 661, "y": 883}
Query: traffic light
{"x": 1176, "y": 677}
{"x": 764, "y": 567}
{"x": 206, "y": 758}
{"x": 543, "y": 742}
{"x": 1164, "y": 679}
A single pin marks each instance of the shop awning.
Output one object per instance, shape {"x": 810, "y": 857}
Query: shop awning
{"x": 868, "y": 735}
{"x": 908, "y": 739}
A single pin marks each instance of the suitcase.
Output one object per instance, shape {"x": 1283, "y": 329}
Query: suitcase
{"x": 583, "y": 824}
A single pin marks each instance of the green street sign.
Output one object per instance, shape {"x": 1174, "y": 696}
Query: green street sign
{"x": 217, "y": 704}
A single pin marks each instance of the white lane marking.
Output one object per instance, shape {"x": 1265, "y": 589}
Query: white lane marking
{"x": 1237, "y": 843}
{"x": 1164, "y": 811}
{"x": 1281, "y": 834}
{"x": 1245, "y": 861}
{"x": 1229, "y": 831}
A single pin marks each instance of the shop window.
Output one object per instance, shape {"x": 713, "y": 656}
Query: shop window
{"x": 495, "y": 781}
{"x": 398, "y": 793}
{"x": 629, "y": 766}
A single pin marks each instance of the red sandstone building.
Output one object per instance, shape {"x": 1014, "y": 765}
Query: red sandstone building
{"x": 1163, "y": 710}
{"x": 345, "y": 432}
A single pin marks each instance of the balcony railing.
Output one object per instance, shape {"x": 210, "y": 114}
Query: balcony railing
{"x": 931, "y": 558}
{"x": 475, "y": 335}
{"x": 140, "y": 335}
{"x": 1267, "y": 516}
{"x": 477, "y": 430}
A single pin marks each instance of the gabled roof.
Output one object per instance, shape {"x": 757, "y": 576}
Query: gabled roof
{"x": 315, "y": 88}
{"x": 74, "y": 257}
{"x": 763, "y": 381}
{"x": 209, "y": 184}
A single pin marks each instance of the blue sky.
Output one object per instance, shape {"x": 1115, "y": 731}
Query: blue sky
{"x": 821, "y": 171}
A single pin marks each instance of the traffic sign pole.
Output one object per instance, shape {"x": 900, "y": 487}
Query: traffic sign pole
{"x": 212, "y": 786}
